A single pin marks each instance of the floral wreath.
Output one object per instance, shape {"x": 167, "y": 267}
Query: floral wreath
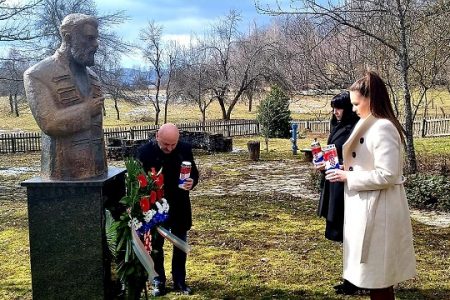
{"x": 129, "y": 238}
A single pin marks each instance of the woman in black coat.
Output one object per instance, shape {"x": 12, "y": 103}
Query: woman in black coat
{"x": 331, "y": 204}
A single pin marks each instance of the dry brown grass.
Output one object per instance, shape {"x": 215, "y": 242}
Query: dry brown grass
{"x": 302, "y": 106}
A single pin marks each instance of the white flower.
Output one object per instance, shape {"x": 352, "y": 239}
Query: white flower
{"x": 159, "y": 206}
{"x": 165, "y": 205}
{"x": 148, "y": 215}
{"x": 136, "y": 223}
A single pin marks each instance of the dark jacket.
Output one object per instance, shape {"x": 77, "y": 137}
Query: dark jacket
{"x": 331, "y": 204}
{"x": 180, "y": 215}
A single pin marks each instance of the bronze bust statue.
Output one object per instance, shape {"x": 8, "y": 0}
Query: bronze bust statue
{"x": 66, "y": 100}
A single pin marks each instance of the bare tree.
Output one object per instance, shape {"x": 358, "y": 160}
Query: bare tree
{"x": 162, "y": 57}
{"x": 114, "y": 84}
{"x": 191, "y": 80}
{"x": 235, "y": 62}
{"x": 51, "y": 13}
{"x": 431, "y": 59}
{"x": 152, "y": 49}
{"x": 172, "y": 62}
{"x": 15, "y": 21}
{"x": 15, "y": 26}
{"x": 394, "y": 25}
{"x": 11, "y": 74}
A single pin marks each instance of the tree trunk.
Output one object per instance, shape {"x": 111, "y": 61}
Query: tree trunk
{"x": 203, "y": 118}
{"x": 221, "y": 101}
{"x": 266, "y": 140}
{"x": 254, "y": 150}
{"x": 250, "y": 102}
{"x": 11, "y": 103}
{"x": 16, "y": 105}
{"x": 116, "y": 106}
{"x": 166, "y": 109}
{"x": 157, "y": 111}
{"x": 411, "y": 166}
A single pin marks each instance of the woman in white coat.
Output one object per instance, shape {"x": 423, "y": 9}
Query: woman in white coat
{"x": 378, "y": 244}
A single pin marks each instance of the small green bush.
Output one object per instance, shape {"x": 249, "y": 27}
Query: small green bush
{"x": 274, "y": 114}
{"x": 428, "y": 191}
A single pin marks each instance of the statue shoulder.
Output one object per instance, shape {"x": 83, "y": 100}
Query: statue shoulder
{"x": 46, "y": 68}
{"x": 40, "y": 67}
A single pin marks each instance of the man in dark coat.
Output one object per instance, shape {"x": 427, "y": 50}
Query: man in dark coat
{"x": 168, "y": 153}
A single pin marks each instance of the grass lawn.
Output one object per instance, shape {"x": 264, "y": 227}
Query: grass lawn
{"x": 247, "y": 244}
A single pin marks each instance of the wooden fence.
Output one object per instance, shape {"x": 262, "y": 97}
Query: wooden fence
{"x": 31, "y": 141}
{"x": 20, "y": 142}
{"x": 424, "y": 128}
{"x": 24, "y": 142}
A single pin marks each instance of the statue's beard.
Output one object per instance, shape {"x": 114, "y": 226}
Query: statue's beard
{"x": 83, "y": 56}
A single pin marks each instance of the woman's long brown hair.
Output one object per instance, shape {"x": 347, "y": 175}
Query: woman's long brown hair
{"x": 373, "y": 87}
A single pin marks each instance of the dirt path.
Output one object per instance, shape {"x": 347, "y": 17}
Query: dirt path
{"x": 285, "y": 176}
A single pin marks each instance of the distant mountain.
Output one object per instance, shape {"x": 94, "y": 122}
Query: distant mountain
{"x": 129, "y": 74}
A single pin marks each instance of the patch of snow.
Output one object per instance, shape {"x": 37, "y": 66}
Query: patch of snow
{"x": 438, "y": 219}
{"x": 17, "y": 171}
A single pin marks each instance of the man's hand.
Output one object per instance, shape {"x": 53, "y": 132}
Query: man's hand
{"x": 188, "y": 183}
{"x": 319, "y": 166}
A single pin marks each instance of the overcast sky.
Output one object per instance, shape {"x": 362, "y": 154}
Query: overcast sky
{"x": 179, "y": 18}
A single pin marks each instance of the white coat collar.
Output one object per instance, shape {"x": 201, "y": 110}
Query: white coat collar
{"x": 361, "y": 126}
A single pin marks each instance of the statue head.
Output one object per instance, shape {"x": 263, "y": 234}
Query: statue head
{"x": 79, "y": 35}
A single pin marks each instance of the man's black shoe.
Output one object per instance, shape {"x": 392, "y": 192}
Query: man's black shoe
{"x": 159, "y": 289}
{"x": 182, "y": 288}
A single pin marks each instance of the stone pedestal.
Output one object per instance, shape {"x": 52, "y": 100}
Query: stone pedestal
{"x": 68, "y": 250}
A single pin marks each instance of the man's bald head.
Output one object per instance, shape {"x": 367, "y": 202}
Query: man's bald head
{"x": 167, "y": 137}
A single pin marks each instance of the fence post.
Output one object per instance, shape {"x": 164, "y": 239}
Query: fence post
{"x": 13, "y": 144}
{"x": 424, "y": 127}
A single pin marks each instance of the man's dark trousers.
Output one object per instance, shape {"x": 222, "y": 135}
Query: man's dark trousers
{"x": 178, "y": 259}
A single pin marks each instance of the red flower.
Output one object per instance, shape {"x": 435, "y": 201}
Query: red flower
{"x": 159, "y": 181}
{"x": 145, "y": 203}
{"x": 160, "y": 193}
{"x": 142, "y": 180}
{"x": 153, "y": 196}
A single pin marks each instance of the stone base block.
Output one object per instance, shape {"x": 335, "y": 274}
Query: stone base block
{"x": 68, "y": 249}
